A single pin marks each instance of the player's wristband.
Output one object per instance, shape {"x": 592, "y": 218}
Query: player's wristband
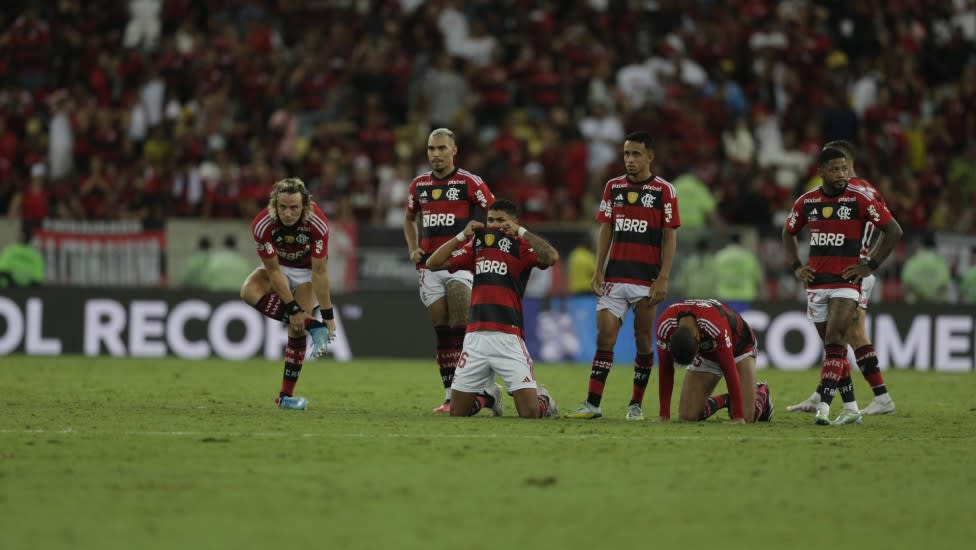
{"x": 797, "y": 265}
{"x": 327, "y": 314}
{"x": 870, "y": 262}
{"x": 522, "y": 231}
{"x": 461, "y": 237}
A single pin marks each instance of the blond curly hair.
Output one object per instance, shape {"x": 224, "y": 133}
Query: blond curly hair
{"x": 289, "y": 186}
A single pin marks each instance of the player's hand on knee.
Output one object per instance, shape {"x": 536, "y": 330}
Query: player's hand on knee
{"x": 416, "y": 255}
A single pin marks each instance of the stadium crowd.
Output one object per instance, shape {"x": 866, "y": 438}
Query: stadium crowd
{"x": 152, "y": 109}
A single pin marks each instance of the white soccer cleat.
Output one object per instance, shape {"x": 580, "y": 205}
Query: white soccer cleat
{"x": 634, "y": 412}
{"x": 495, "y": 391}
{"x": 881, "y": 404}
{"x": 848, "y": 416}
{"x": 552, "y": 411}
{"x": 808, "y": 405}
{"x": 586, "y": 411}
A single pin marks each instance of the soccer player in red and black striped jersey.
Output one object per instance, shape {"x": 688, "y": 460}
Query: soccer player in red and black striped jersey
{"x": 715, "y": 342}
{"x": 857, "y": 338}
{"x": 638, "y": 234}
{"x": 443, "y": 200}
{"x": 837, "y": 215}
{"x": 501, "y": 256}
{"x": 292, "y": 236}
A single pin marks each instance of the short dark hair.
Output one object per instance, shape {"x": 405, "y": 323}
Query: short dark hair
{"x": 684, "y": 348}
{"x": 641, "y": 137}
{"x": 828, "y": 155}
{"x": 505, "y": 206}
{"x": 841, "y": 145}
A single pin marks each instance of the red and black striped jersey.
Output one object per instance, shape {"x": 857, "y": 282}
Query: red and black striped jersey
{"x": 639, "y": 212}
{"x": 446, "y": 205}
{"x": 501, "y": 264}
{"x": 295, "y": 246}
{"x": 870, "y": 231}
{"x": 837, "y": 228}
{"x": 723, "y": 336}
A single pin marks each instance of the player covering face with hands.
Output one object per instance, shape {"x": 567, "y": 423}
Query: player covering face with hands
{"x": 501, "y": 254}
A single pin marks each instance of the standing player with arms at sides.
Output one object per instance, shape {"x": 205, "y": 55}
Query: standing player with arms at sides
{"x": 501, "y": 255}
{"x": 292, "y": 235}
{"x": 638, "y": 234}
{"x": 857, "y": 338}
{"x": 714, "y": 341}
{"x": 838, "y": 215}
{"x": 446, "y": 199}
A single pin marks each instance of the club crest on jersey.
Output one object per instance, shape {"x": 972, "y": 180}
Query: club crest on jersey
{"x": 505, "y": 245}
{"x": 827, "y": 211}
{"x": 489, "y": 239}
{"x": 436, "y": 193}
{"x": 632, "y": 196}
{"x": 453, "y": 194}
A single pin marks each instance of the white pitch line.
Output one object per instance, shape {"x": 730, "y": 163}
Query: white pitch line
{"x": 402, "y": 435}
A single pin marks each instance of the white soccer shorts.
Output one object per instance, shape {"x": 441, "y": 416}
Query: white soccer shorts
{"x": 617, "y": 298}
{"x": 818, "y": 300}
{"x": 433, "y": 284}
{"x": 489, "y": 353}
{"x": 700, "y": 364}
{"x": 296, "y": 276}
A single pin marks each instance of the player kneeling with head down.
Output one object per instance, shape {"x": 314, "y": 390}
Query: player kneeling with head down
{"x": 714, "y": 341}
{"x": 501, "y": 256}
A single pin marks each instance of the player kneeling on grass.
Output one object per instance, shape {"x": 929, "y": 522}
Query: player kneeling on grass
{"x": 714, "y": 341}
{"x": 501, "y": 256}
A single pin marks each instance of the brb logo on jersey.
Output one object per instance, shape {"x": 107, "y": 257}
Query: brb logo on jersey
{"x": 630, "y": 224}
{"x": 491, "y": 266}
{"x": 826, "y": 239}
{"x": 437, "y": 220}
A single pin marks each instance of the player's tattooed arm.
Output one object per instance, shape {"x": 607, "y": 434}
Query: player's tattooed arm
{"x": 543, "y": 250}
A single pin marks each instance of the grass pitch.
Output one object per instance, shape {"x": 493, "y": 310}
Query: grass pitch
{"x": 103, "y": 453}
